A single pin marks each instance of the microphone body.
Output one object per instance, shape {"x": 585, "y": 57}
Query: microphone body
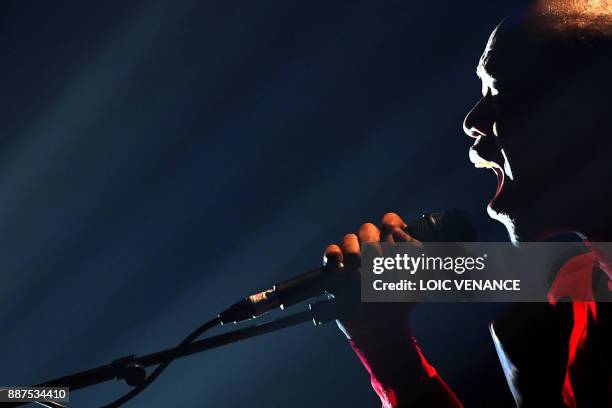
{"x": 449, "y": 226}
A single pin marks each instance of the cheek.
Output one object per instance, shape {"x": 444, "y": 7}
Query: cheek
{"x": 539, "y": 141}
{"x": 526, "y": 152}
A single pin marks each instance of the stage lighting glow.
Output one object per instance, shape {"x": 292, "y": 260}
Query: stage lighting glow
{"x": 586, "y": 14}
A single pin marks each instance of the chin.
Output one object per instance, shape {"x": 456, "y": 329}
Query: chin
{"x": 508, "y": 221}
{"x": 525, "y": 227}
{"x": 523, "y": 218}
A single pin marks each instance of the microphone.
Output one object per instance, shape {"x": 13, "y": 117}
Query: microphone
{"x": 448, "y": 226}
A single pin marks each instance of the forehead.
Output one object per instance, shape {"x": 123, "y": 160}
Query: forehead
{"x": 488, "y": 79}
{"x": 510, "y": 54}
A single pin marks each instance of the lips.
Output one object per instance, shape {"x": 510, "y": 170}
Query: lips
{"x": 480, "y": 163}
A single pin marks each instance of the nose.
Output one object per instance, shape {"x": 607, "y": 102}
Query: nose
{"x": 479, "y": 121}
{"x": 479, "y": 124}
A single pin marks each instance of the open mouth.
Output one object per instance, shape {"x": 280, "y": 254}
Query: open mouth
{"x": 480, "y": 163}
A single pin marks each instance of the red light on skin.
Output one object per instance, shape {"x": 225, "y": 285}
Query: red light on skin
{"x": 575, "y": 280}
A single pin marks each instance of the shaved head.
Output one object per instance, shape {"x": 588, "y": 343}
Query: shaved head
{"x": 543, "y": 123}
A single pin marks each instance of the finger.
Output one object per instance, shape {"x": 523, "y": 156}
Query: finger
{"x": 332, "y": 256}
{"x": 370, "y": 234}
{"x": 390, "y": 222}
{"x": 351, "y": 251}
{"x": 399, "y": 235}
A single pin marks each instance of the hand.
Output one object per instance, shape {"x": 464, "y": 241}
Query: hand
{"x": 367, "y": 319}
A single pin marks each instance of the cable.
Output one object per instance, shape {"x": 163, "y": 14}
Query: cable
{"x": 163, "y": 365}
{"x": 50, "y": 404}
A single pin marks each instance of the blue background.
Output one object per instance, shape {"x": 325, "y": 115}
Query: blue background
{"x": 161, "y": 159}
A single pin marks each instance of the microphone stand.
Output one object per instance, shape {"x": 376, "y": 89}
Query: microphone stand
{"x": 132, "y": 368}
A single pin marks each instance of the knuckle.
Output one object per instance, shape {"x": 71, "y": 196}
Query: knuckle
{"x": 367, "y": 228}
{"x": 369, "y": 232}
{"x": 389, "y": 215}
{"x": 332, "y": 255}
{"x": 349, "y": 237}
{"x": 332, "y": 248}
{"x": 390, "y": 221}
{"x": 367, "y": 225}
{"x": 350, "y": 244}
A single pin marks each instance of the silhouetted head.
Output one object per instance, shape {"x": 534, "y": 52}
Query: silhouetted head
{"x": 544, "y": 122}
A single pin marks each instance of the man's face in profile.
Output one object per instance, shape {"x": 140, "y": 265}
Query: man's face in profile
{"x": 481, "y": 123}
{"x": 532, "y": 129}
